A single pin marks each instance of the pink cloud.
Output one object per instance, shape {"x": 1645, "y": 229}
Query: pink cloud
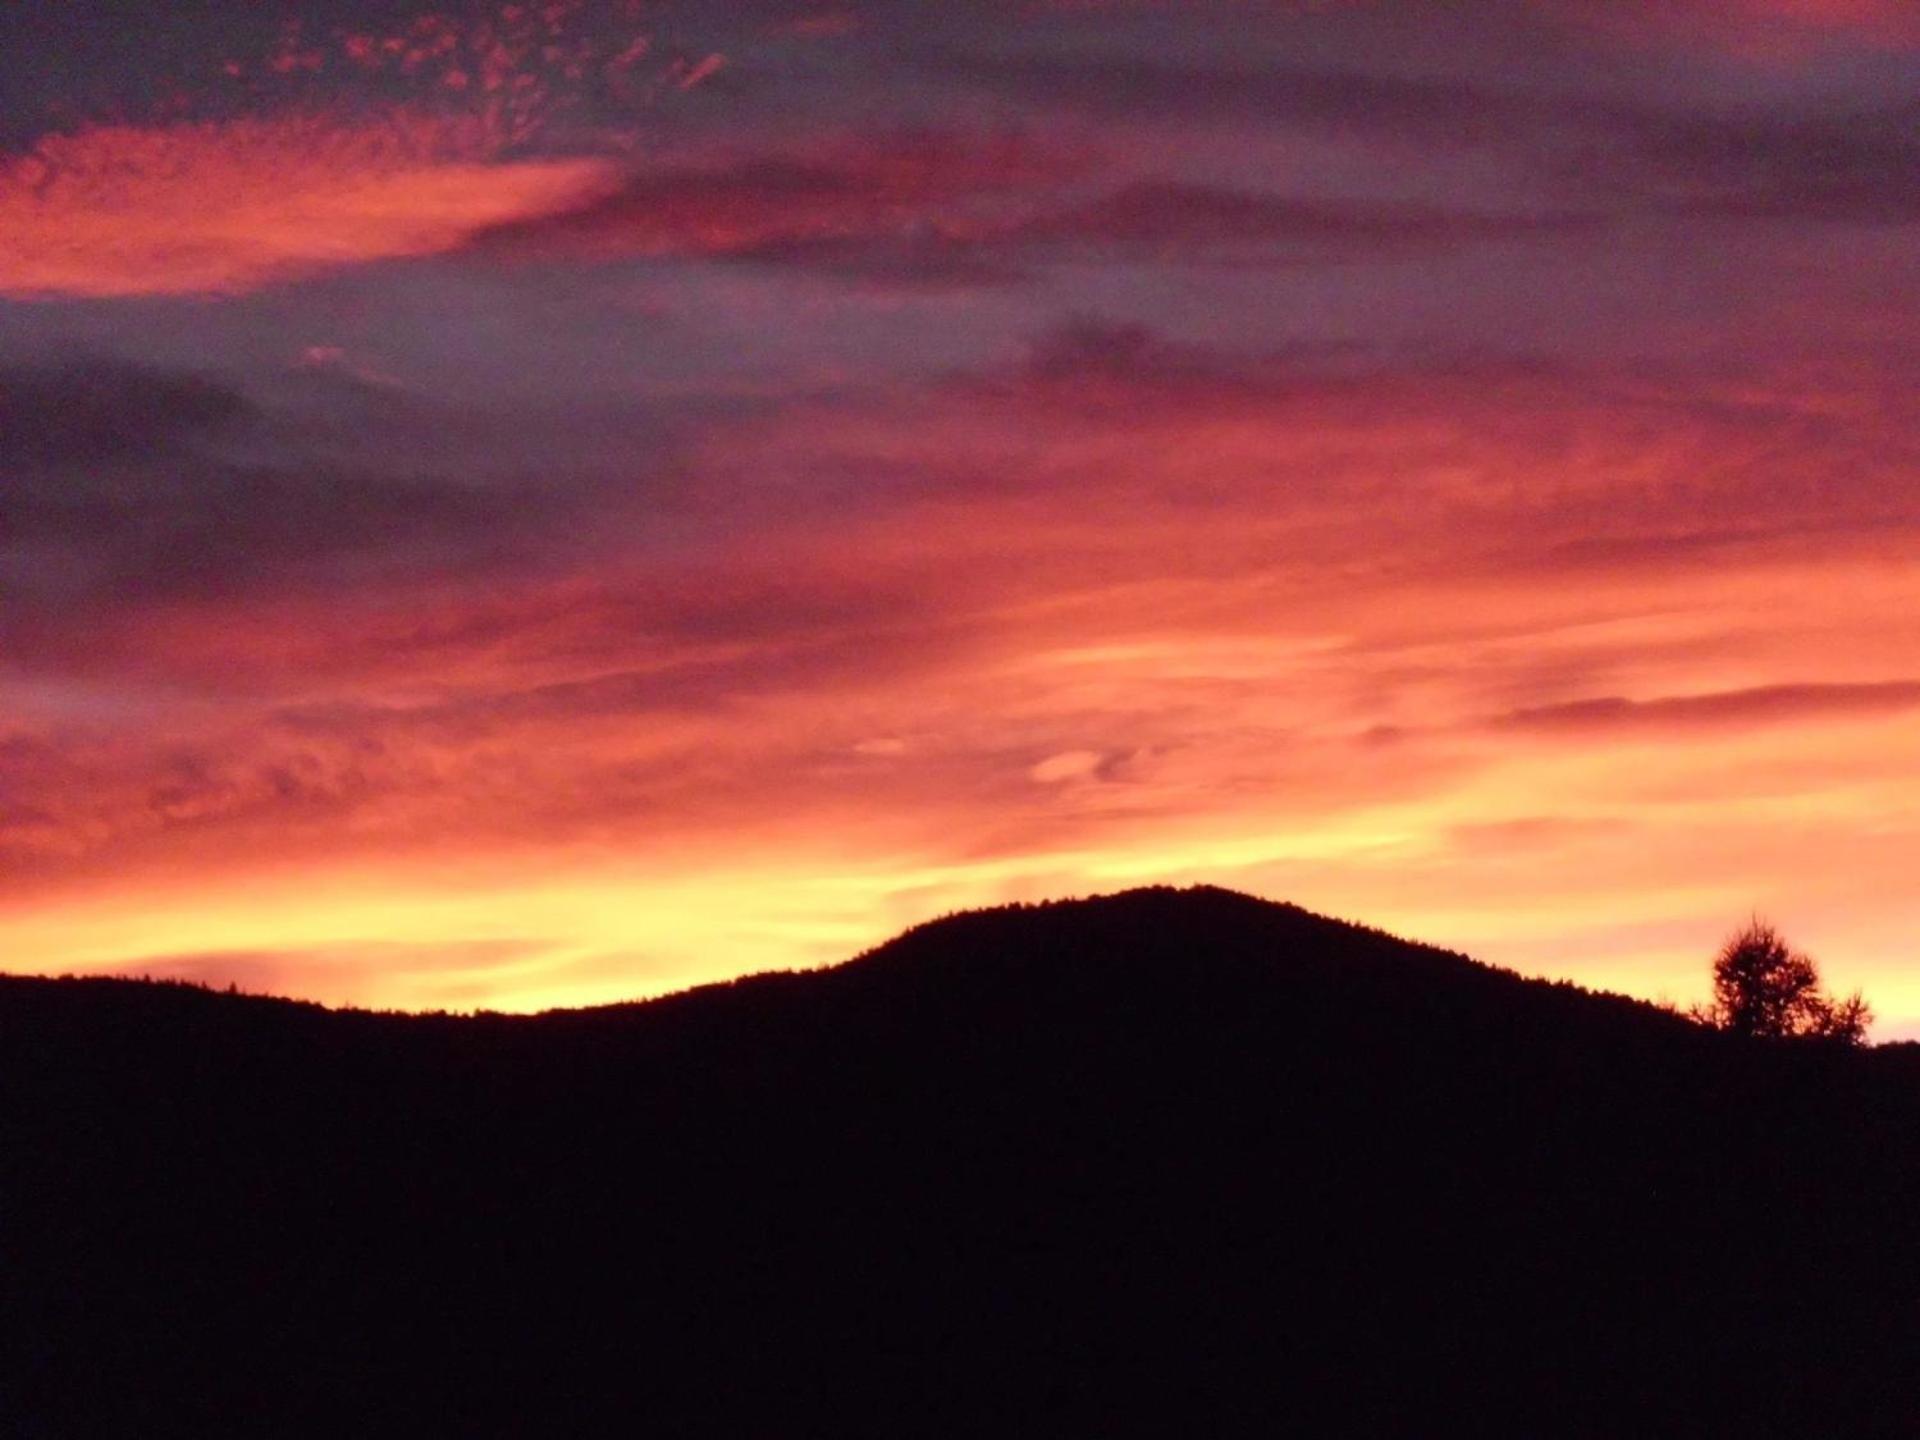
{"x": 226, "y": 207}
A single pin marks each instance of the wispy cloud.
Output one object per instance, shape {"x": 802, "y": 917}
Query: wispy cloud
{"x": 1758, "y": 705}
{"x": 88, "y": 412}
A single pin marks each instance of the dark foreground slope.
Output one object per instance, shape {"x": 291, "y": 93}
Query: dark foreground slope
{"x": 1166, "y": 1163}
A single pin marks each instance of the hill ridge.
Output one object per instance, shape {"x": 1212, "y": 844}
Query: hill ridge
{"x": 1164, "y": 902}
{"x": 1160, "y": 1162}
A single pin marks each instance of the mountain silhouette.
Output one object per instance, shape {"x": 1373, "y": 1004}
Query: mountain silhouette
{"x": 1167, "y": 1162}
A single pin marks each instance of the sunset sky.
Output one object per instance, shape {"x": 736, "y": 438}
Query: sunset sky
{"x": 519, "y": 505}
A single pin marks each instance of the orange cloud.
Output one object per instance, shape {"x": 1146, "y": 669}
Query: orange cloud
{"x": 229, "y": 206}
{"x": 1271, "y": 661}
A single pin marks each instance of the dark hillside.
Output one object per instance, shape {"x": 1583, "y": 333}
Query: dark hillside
{"x": 1168, "y": 1162}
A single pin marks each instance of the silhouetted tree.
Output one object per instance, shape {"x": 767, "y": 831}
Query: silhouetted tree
{"x": 1764, "y": 988}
